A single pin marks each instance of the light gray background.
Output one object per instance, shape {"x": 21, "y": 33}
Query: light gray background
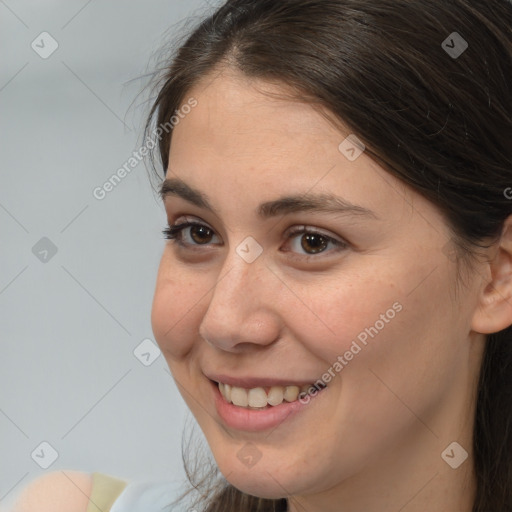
{"x": 69, "y": 326}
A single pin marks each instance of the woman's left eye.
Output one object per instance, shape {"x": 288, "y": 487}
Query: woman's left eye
{"x": 304, "y": 241}
{"x": 313, "y": 242}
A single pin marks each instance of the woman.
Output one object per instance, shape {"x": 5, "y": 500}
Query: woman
{"x": 334, "y": 301}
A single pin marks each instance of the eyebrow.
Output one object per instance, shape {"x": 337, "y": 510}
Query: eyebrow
{"x": 325, "y": 203}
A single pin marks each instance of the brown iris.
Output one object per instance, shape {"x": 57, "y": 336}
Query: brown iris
{"x": 201, "y": 234}
{"x": 313, "y": 243}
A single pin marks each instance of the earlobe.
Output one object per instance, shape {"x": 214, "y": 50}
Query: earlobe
{"x": 494, "y": 310}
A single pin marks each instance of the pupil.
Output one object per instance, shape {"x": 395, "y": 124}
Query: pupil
{"x": 313, "y": 243}
{"x": 200, "y": 231}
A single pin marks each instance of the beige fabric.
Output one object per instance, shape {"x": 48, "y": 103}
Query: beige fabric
{"x": 105, "y": 490}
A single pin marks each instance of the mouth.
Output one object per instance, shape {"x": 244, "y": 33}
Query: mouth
{"x": 266, "y": 397}
{"x": 255, "y": 404}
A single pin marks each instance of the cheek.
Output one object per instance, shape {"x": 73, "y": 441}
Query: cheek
{"x": 377, "y": 321}
{"x": 399, "y": 343}
{"x": 340, "y": 312}
{"x": 179, "y": 303}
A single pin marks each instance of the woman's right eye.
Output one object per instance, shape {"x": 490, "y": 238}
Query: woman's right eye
{"x": 190, "y": 234}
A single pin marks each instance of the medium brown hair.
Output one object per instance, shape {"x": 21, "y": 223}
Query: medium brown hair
{"x": 441, "y": 123}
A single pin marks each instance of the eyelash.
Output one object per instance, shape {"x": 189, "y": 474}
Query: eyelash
{"x": 174, "y": 234}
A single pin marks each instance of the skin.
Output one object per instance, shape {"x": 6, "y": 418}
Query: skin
{"x": 372, "y": 441}
{"x": 58, "y": 491}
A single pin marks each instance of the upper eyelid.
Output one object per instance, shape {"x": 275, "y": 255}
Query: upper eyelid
{"x": 291, "y": 230}
{"x": 191, "y": 219}
{"x": 306, "y": 228}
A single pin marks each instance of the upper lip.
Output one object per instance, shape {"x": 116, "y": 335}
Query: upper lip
{"x": 257, "y": 382}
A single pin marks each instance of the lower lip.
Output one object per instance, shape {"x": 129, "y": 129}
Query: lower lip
{"x": 254, "y": 420}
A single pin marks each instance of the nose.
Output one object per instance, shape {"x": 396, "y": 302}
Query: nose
{"x": 242, "y": 311}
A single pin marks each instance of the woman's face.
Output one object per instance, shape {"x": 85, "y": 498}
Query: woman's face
{"x": 364, "y": 301}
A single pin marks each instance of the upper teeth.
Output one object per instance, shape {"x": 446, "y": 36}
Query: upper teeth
{"x": 258, "y": 397}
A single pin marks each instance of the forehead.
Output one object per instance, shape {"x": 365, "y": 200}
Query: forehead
{"x": 239, "y": 124}
{"x": 248, "y": 138}
{"x": 252, "y": 111}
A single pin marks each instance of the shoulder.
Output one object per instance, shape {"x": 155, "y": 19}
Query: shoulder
{"x": 59, "y": 491}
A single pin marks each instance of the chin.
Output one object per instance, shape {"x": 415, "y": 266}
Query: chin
{"x": 260, "y": 484}
{"x": 270, "y": 480}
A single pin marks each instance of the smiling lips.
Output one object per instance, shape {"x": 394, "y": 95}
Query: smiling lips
{"x": 263, "y": 397}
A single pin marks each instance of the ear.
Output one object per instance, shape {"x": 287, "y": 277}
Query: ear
{"x": 494, "y": 309}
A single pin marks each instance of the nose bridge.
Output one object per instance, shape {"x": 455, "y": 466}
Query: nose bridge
{"x": 240, "y": 308}
{"x": 234, "y": 281}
